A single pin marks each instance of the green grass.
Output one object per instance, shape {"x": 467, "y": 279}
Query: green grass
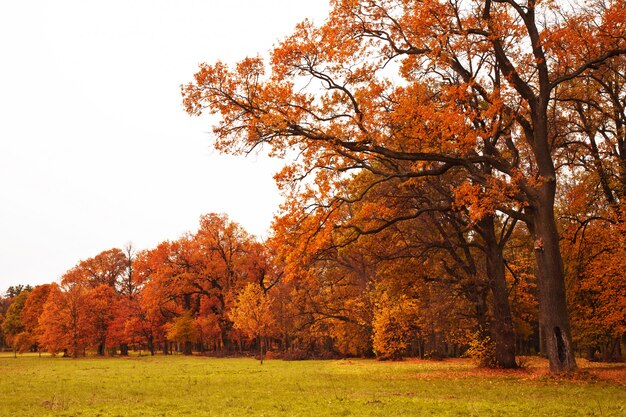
{"x": 197, "y": 386}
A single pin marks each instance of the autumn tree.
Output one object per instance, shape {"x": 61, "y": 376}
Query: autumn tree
{"x": 182, "y": 330}
{"x": 339, "y": 262}
{"x": 33, "y": 309}
{"x": 128, "y": 284}
{"x": 4, "y": 306}
{"x": 13, "y": 325}
{"x": 64, "y": 321}
{"x": 112, "y": 269}
{"x": 474, "y": 87}
{"x": 426, "y": 221}
{"x": 252, "y": 314}
{"x": 201, "y": 273}
{"x": 106, "y": 268}
{"x": 595, "y": 238}
{"x": 394, "y": 323}
{"x": 592, "y": 206}
{"x": 101, "y": 312}
{"x": 141, "y": 321}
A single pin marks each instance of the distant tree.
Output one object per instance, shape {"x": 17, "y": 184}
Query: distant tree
{"x": 108, "y": 268}
{"x": 23, "y": 342}
{"x": 128, "y": 284}
{"x": 101, "y": 313}
{"x": 15, "y": 290}
{"x": 202, "y": 273}
{"x": 12, "y": 324}
{"x": 253, "y": 314}
{"x": 183, "y": 330}
{"x": 64, "y": 320}
{"x": 5, "y": 303}
{"x": 33, "y": 308}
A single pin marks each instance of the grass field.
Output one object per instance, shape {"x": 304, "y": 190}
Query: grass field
{"x": 198, "y": 386}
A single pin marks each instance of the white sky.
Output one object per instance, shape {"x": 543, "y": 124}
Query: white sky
{"x": 95, "y": 148}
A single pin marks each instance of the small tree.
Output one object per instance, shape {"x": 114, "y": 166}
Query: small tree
{"x": 393, "y": 326}
{"x": 183, "y": 330}
{"x": 253, "y": 314}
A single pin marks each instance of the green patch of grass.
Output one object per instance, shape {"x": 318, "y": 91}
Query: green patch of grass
{"x": 198, "y": 386}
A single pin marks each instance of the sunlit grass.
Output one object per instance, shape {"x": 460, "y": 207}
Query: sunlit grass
{"x": 195, "y": 386}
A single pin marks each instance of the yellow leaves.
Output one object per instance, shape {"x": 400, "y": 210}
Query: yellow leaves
{"x": 182, "y": 329}
{"x": 392, "y": 326}
{"x": 481, "y": 348}
{"x": 253, "y": 313}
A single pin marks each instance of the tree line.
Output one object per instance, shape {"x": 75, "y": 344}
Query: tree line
{"x": 218, "y": 291}
{"x": 456, "y": 187}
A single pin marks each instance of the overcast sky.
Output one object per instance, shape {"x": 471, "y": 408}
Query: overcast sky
{"x": 95, "y": 148}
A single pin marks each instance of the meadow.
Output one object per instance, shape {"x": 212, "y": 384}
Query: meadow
{"x": 200, "y": 386}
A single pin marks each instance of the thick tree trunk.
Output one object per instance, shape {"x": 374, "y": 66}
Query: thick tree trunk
{"x": 553, "y": 314}
{"x": 501, "y": 324}
{"x": 123, "y": 349}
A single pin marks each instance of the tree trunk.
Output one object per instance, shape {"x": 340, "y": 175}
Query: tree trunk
{"x": 591, "y": 353}
{"x": 260, "y": 338}
{"x": 75, "y": 346}
{"x": 501, "y": 324}
{"x": 124, "y": 349}
{"x": 553, "y": 314}
{"x": 261, "y": 348}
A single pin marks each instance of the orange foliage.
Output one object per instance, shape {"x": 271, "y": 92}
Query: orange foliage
{"x": 64, "y": 321}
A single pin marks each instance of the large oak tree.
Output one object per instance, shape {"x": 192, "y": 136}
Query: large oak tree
{"x": 474, "y": 86}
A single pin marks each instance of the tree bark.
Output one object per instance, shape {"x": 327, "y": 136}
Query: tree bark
{"x": 501, "y": 323}
{"x": 553, "y": 314}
